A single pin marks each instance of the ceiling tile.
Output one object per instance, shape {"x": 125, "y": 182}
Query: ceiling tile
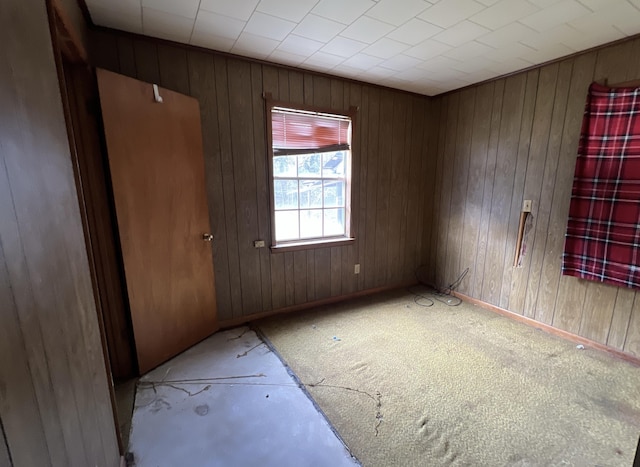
{"x": 438, "y": 64}
{"x": 107, "y": 17}
{"x": 414, "y": 31}
{"x": 427, "y": 49}
{"x": 591, "y": 38}
{"x": 503, "y": 13}
{"x": 343, "y": 47}
{"x": 635, "y": 3}
{"x": 513, "y": 32}
{"x": 472, "y": 65}
{"x": 318, "y": 28}
{"x": 292, "y": 11}
{"x": 209, "y": 41}
{"x": 123, "y": 6}
{"x": 508, "y": 66}
{"x": 171, "y": 27}
{"x": 380, "y": 72}
{"x": 508, "y": 52}
{"x": 621, "y": 15}
{"x": 541, "y": 40}
{"x": 269, "y": 26}
{"x": 345, "y": 12}
{"x": 186, "y": 8}
{"x": 596, "y": 5}
{"x": 410, "y": 74}
{"x": 462, "y": 32}
{"x": 239, "y": 9}
{"x": 449, "y": 12}
{"x": 218, "y": 25}
{"x": 555, "y": 15}
{"x": 299, "y": 45}
{"x": 629, "y": 24}
{"x": 393, "y": 12}
{"x": 366, "y": 29}
{"x": 286, "y": 58}
{"x": 470, "y": 50}
{"x": 385, "y": 48}
{"x": 400, "y": 62}
{"x": 544, "y": 3}
{"x": 167, "y": 35}
{"x": 548, "y": 53}
{"x": 362, "y": 61}
{"x": 324, "y": 59}
{"x": 255, "y": 46}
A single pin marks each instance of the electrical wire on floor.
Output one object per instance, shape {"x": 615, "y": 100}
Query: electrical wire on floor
{"x": 425, "y": 293}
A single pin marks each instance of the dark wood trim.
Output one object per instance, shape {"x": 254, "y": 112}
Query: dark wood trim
{"x": 67, "y": 38}
{"x": 550, "y": 329}
{"x": 85, "y": 13}
{"x": 232, "y": 323}
{"x": 350, "y": 112}
{"x": 323, "y": 243}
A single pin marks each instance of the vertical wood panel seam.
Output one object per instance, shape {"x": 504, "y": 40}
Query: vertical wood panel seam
{"x": 493, "y": 182}
{"x": 626, "y": 336}
{"x": 546, "y": 237}
{"x": 6, "y": 443}
{"x": 233, "y": 170}
{"x": 526, "y": 172}
{"x": 507, "y": 261}
{"x": 466, "y": 185}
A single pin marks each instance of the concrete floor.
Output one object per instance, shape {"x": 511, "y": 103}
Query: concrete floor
{"x": 229, "y": 401}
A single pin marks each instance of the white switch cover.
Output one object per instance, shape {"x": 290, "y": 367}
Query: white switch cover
{"x": 526, "y": 206}
{"x": 356, "y": 269}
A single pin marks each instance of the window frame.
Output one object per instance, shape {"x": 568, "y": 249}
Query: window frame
{"x": 307, "y": 244}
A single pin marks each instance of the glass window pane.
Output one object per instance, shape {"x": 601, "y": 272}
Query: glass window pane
{"x": 284, "y": 166}
{"x": 333, "y": 222}
{"x": 333, "y": 164}
{"x": 311, "y": 223}
{"x": 285, "y": 194}
{"x": 310, "y": 193}
{"x": 309, "y": 165}
{"x": 333, "y": 193}
{"x": 287, "y": 225}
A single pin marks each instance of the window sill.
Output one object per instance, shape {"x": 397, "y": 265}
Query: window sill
{"x": 312, "y": 245}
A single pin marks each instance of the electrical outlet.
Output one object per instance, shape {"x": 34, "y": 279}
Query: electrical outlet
{"x": 356, "y": 269}
{"x": 526, "y": 206}
{"x": 258, "y": 244}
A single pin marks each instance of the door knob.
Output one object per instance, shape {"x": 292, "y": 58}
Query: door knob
{"x": 207, "y": 237}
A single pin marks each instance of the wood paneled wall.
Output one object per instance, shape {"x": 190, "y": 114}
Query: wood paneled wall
{"x": 391, "y": 169}
{"x": 55, "y": 407}
{"x": 506, "y": 141}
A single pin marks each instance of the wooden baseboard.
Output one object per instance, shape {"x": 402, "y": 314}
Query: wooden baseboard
{"x": 233, "y": 322}
{"x": 550, "y": 329}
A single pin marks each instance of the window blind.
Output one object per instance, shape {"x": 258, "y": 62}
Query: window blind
{"x": 300, "y": 132}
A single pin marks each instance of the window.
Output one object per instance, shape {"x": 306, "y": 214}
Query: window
{"x": 310, "y": 167}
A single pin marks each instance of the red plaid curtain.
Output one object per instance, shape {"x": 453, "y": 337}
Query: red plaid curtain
{"x": 603, "y": 233}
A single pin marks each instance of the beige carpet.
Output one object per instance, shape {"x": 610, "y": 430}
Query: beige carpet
{"x": 408, "y": 385}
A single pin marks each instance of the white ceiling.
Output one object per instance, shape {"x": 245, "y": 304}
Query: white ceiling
{"x": 424, "y": 46}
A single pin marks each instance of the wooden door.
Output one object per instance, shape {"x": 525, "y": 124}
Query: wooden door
{"x": 157, "y": 173}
